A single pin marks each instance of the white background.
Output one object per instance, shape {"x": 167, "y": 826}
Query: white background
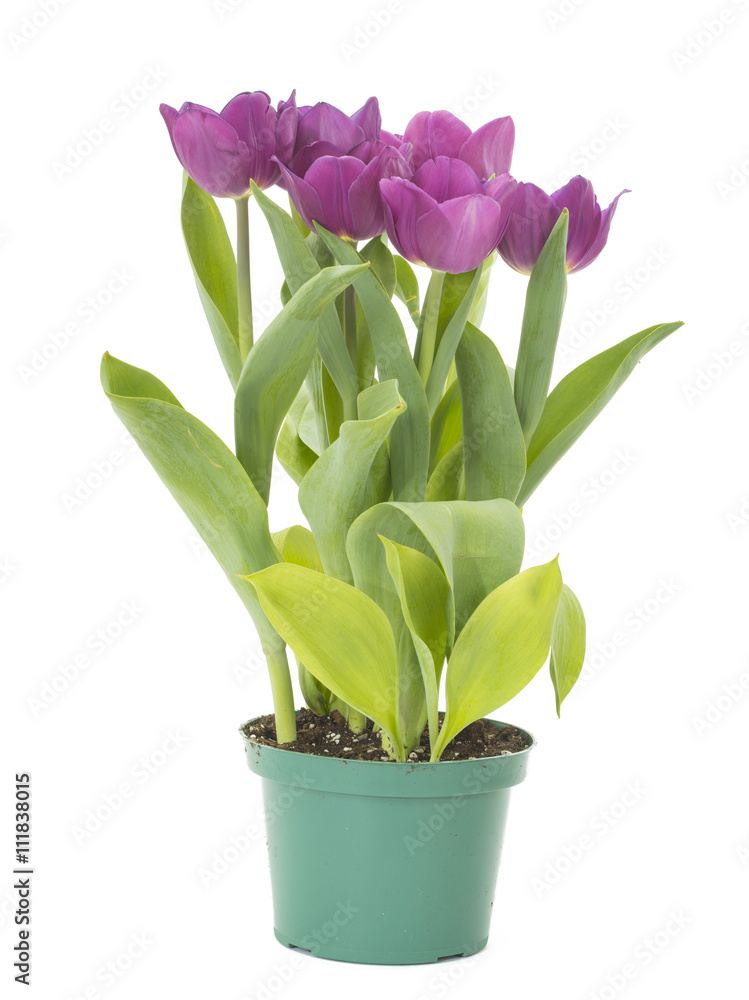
{"x": 188, "y": 663}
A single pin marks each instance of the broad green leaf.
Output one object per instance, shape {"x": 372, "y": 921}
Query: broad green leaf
{"x": 383, "y": 266}
{"x": 579, "y": 398}
{"x": 493, "y": 445}
{"x": 202, "y": 475}
{"x": 409, "y": 440}
{"x": 446, "y": 426}
{"x": 299, "y": 265}
{"x": 407, "y": 287}
{"x": 293, "y": 454}
{"x": 423, "y": 591}
{"x": 567, "y": 645}
{"x": 315, "y": 413}
{"x": 478, "y": 544}
{"x": 275, "y": 369}
{"x": 542, "y": 319}
{"x": 456, "y": 303}
{"x": 297, "y": 545}
{"x": 340, "y": 635}
{"x": 351, "y": 475}
{"x": 215, "y": 270}
{"x": 502, "y": 647}
{"x": 448, "y": 481}
{"x": 298, "y": 220}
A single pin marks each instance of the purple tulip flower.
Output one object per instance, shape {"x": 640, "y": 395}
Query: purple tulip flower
{"x": 224, "y": 152}
{"x": 334, "y": 175}
{"x": 535, "y": 213}
{"x": 488, "y": 150}
{"x": 445, "y": 216}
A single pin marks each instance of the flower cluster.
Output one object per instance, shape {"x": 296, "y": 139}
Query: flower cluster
{"x": 443, "y": 194}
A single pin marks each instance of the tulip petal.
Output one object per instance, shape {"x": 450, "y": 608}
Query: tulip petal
{"x": 303, "y": 160}
{"x": 404, "y": 203}
{"x": 255, "y": 122}
{"x": 304, "y": 196}
{"x": 503, "y": 190}
{"x": 210, "y": 151}
{"x": 324, "y": 122}
{"x": 458, "y": 235}
{"x": 169, "y": 114}
{"x": 601, "y": 238}
{"x": 444, "y": 178}
{"x": 368, "y": 119}
{"x": 533, "y": 217}
{"x": 489, "y": 149}
{"x": 435, "y": 133}
{"x": 331, "y": 177}
{"x": 578, "y": 197}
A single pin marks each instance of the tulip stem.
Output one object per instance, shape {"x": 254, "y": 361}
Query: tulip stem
{"x": 349, "y": 324}
{"x": 283, "y": 695}
{"x": 427, "y": 343}
{"x": 244, "y": 287}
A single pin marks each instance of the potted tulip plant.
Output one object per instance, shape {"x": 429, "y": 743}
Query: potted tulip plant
{"x": 413, "y": 467}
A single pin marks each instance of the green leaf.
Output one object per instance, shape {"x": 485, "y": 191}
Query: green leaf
{"x": 579, "y": 398}
{"x": 295, "y": 456}
{"x": 407, "y": 287}
{"x": 299, "y": 265}
{"x": 478, "y": 544}
{"x": 351, "y": 475}
{"x": 340, "y": 635}
{"x": 202, "y": 475}
{"x": 567, "y": 645}
{"x": 383, "y": 266}
{"x": 502, "y": 647}
{"x": 482, "y": 292}
{"x": 542, "y": 319}
{"x": 423, "y": 591}
{"x": 448, "y": 481}
{"x": 446, "y": 426}
{"x": 493, "y": 445}
{"x": 215, "y": 270}
{"x": 276, "y": 368}
{"x": 409, "y": 441}
{"x": 456, "y": 303}
{"x": 297, "y": 545}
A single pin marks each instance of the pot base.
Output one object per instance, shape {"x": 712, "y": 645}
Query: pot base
{"x": 377, "y": 958}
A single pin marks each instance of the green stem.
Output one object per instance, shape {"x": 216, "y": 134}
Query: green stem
{"x": 357, "y": 721}
{"x": 283, "y": 695}
{"x": 349, "y": 324}
{"x": 430, "y": 317}
{"x": 244, "y": 287}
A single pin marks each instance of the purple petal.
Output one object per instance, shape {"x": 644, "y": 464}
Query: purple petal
{"x": 444, "y": 178}
{"x": 391, "y": 138}
{"x": 489, "y": 149}
{"x": 324, "y": 122}
{"x": 304, "y": 196}
{"x": 435, "y": 133}
{"x": 286, "y": 132}
{"x": 602, "y": 236}
{"x": 533, "y": 217}
{"x": 368, "y": 119}
{"x": 210, "y": 151}
{"x": 255, "y": 122}
{"x": 404, "y": 204}
{"x": 578, "y": 197}
{"x": 307, "y": 155}
{"x": 169, "y": 114}
{"x": 290, "y": 103}
{"x": 332, "y": 177}
{"x": 459, "y": 235}
{"x": 503, "y": 190}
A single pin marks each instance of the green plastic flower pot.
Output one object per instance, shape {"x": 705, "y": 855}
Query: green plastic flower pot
{"x": 384, "y": 863}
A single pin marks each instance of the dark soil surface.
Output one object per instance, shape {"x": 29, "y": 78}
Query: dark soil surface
{"x": 331, "y": 737}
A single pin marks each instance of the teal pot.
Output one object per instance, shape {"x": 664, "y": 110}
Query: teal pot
{"x": 384, "y": 863}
